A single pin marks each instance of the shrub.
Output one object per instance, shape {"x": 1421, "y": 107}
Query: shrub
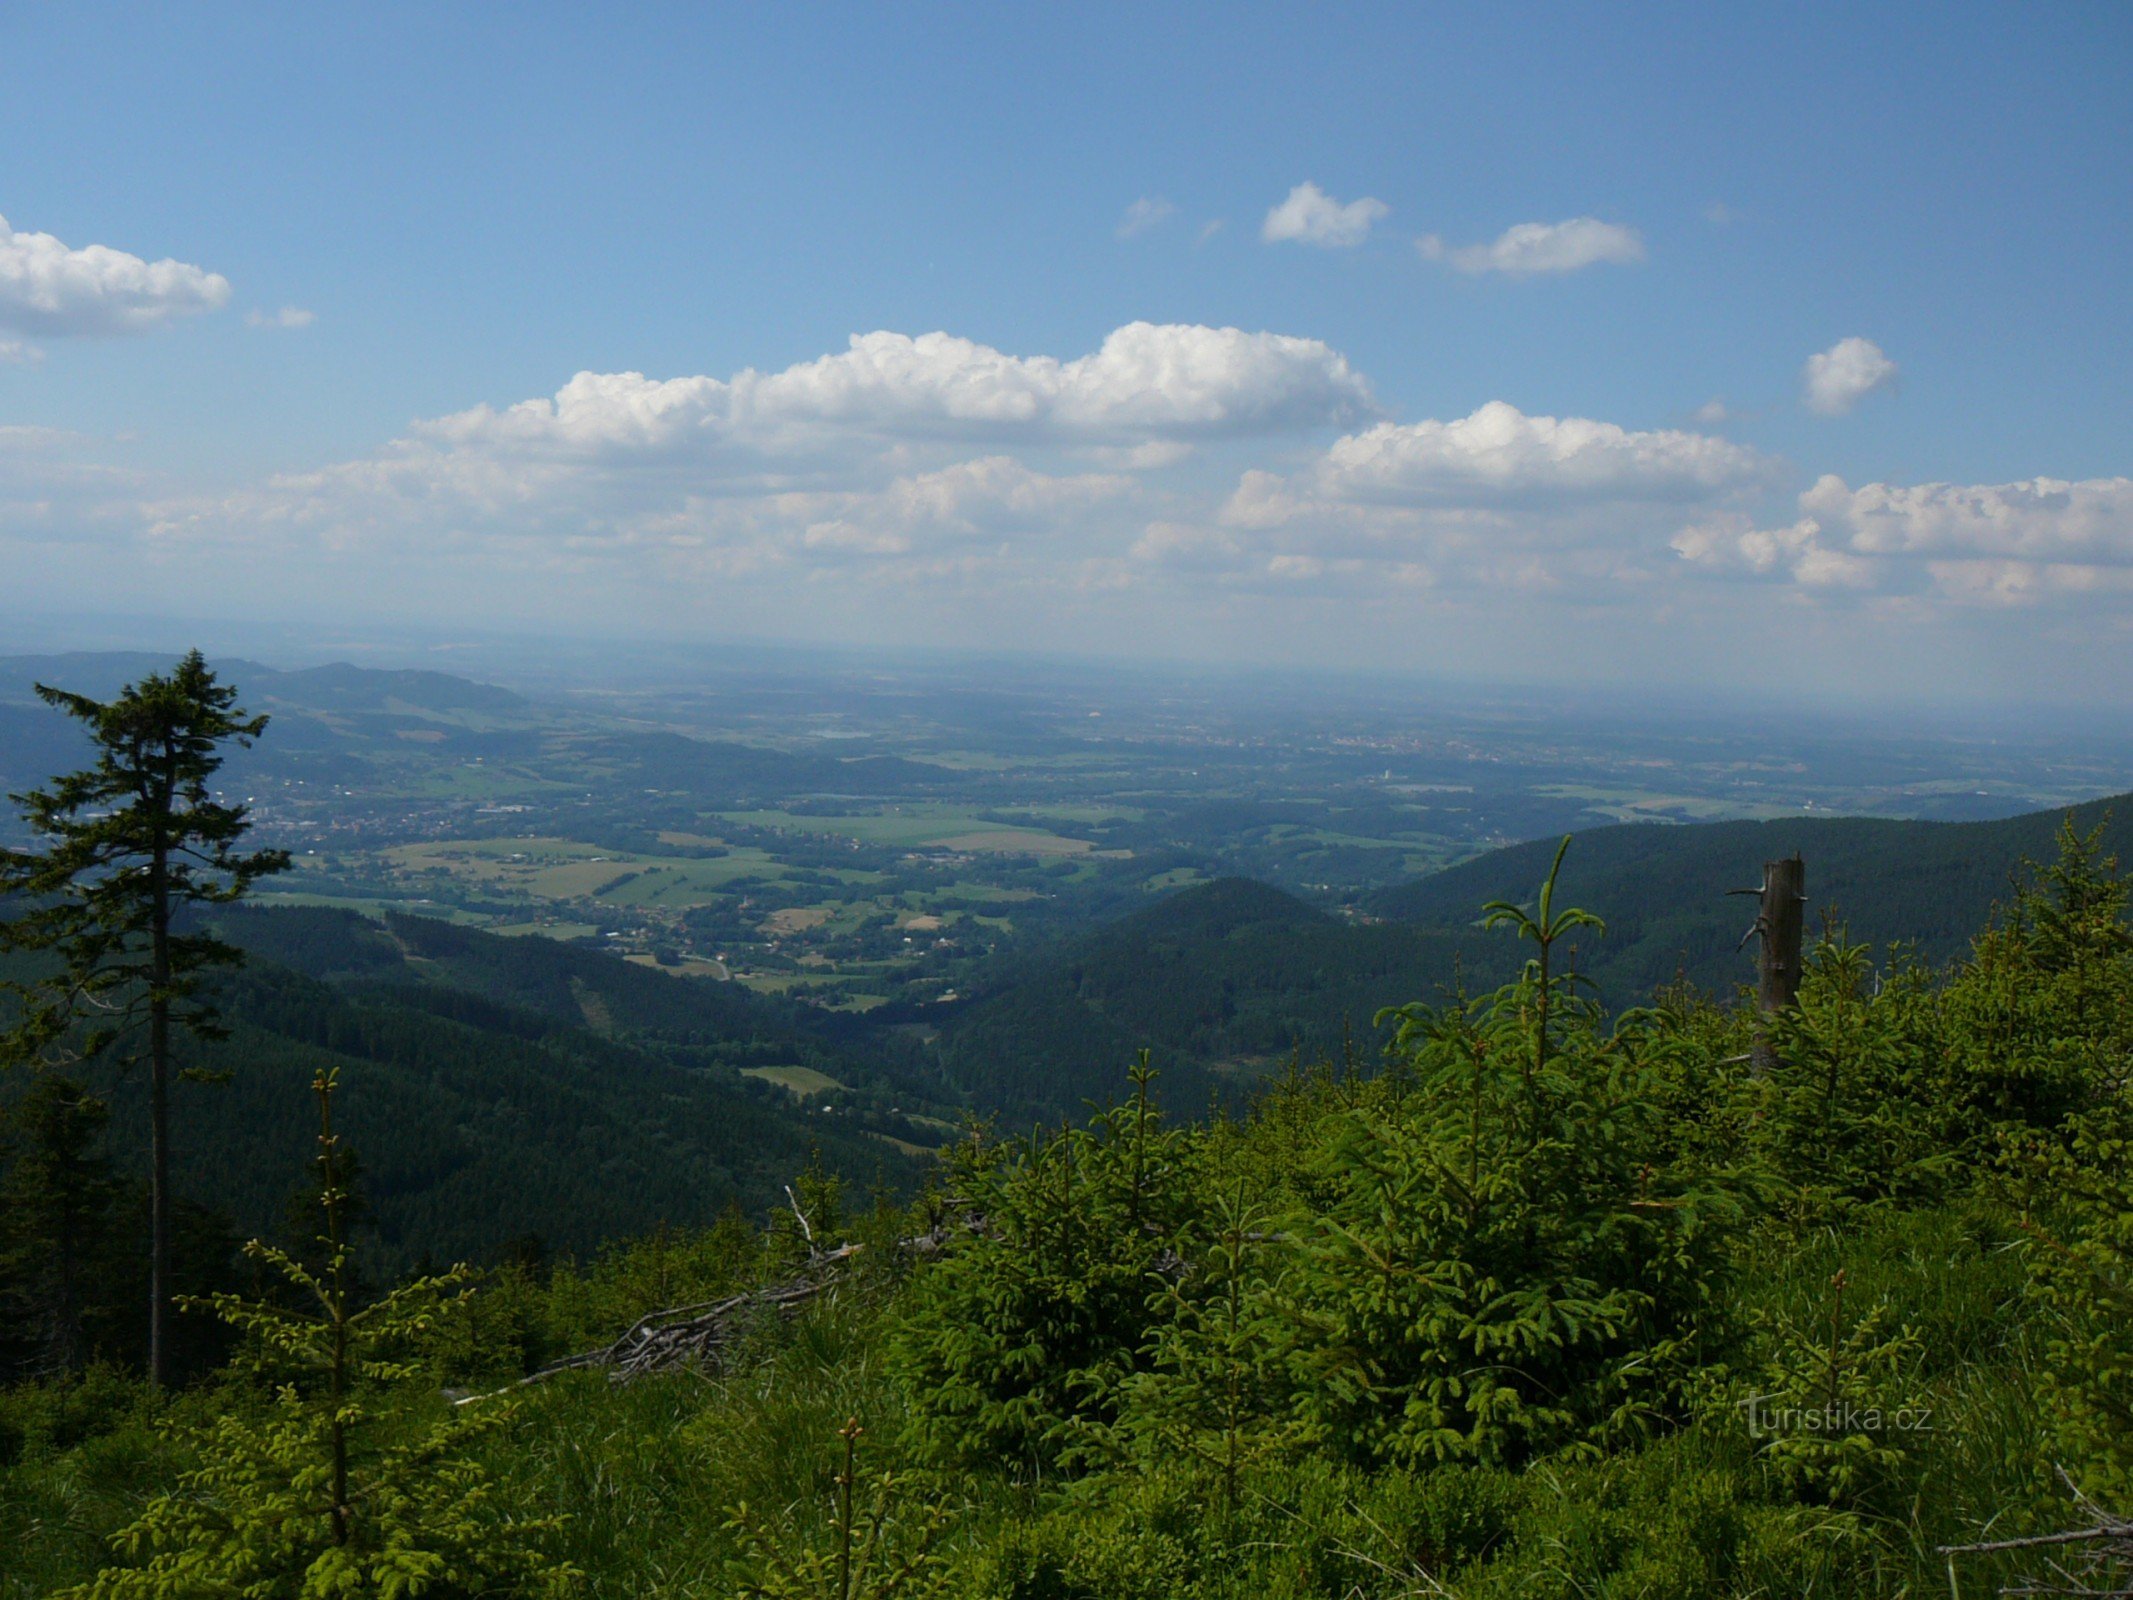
{"x": 1510, "y": 1263}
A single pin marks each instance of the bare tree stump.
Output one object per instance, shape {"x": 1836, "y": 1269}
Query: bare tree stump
{"x": 1780, "y": 925}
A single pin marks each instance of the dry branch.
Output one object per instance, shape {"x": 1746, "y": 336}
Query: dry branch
{"x": 2101, "y": 1564}
{"x": 692, "y": 1337}
{"x": 696, "y": 1337}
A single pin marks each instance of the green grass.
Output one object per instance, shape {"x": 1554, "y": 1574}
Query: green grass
{"x": 1640, "y": 805}
{"x": 800, "y": 1081}
{"x": 372, "y": 906}
{"x": 916, "y": 828}
{"x": 566, "y": 870}
{"x": 1175, "y": 878}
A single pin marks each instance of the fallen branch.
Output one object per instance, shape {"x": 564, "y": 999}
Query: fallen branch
{"x": 2103, "y": 1571}
{"x": 694, "y": 1337}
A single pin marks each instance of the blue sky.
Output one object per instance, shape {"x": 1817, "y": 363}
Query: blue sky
{"x": 1530, "y": 358}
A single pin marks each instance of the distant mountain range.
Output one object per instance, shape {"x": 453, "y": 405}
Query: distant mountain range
{"x": 337, "y": 722}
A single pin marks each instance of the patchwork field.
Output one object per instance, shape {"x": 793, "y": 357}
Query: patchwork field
{"x": 918, "y": 828}
{"x": 564, "y": 869}
{"x": 799, "y": 1081}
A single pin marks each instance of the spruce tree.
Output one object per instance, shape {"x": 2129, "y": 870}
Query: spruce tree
{"x": 129, "y": 844}
{"x": 347, "y": 1481}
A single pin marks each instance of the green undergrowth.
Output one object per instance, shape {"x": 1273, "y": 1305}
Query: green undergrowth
{"x": 1558, "y": 1302}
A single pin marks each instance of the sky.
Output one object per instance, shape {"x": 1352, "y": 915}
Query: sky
{"x": 1782, "y": 348}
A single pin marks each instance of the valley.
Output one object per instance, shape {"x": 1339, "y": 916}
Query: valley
{"x": 880, "y": 835}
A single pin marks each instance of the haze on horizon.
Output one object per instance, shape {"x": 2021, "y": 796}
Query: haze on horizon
{"x": 1704, "y": 350}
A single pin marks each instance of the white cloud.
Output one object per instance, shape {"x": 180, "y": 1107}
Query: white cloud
{"x": 1146, "y": 382}
{"x": 53, "y": 291}
{"x": 1835, "y": 381}
{"x": 1499, "y": 455}
{"x": 1731, "y": 543}
{"x": 14, "y": 353}
{"x": 1147, "y": 212}
{"x": 1209, "y": 228}
{"x": 286, "y": 317}
{"x": 2025, "y": 583}
{"x": 2000, "y": 544}
{"x": 1496, "y": 500}
{"x": 1711, "y": 413}
{"x": 983, "y": 499}
{"x": 2047, "y": 520}
{"x": 1311, "y": 216}
{"x": 896, "y": 450}
{"x": 1534, "y": 248}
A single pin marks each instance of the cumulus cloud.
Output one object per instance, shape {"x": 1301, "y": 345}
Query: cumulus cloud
{"x": 1146, "y": 382}
{"x": 1498, "y": 499}
{"x": 2005, "y": 543}
{"x": 2042, "y": 520}
{"x": 1732, "y": 544}
{"x": 896, "y": 450}
{"x": 989, "y": 498}
{"x": 1532, "y": 249}
{"x": 1835, "y": 381}
{"x": 1311, "y": 216}
{"x": 1500, "y": 455}
{"x": 52, "y": 291}
{"x": 286, "y": 317}
{"x": 1149, "y": 211}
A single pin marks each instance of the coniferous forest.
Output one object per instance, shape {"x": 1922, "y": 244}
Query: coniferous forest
{"x": 1550, "y": 1291}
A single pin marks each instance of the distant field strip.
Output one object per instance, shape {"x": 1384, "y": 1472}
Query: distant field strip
{"x": 800, "y": 1081}
{"x": 369, "y": 905}
{"x": 942, "y": 830}
{"x": 563, "y": 869}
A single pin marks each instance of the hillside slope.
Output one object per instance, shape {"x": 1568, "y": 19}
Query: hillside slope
{"x": 1220, "y": 981}
{"x": 1930, "y": 885}
{"x": 1232, "y": 976}
{"x": 499, "y": 1089}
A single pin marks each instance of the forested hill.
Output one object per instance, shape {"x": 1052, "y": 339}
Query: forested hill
{"x": 1221, "y": 982}
{"x": 1662, "y": 890}
{"x": 497, "y": 1090}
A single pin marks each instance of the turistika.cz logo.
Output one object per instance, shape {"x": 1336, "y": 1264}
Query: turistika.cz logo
{"x": 1838, "y": 1418}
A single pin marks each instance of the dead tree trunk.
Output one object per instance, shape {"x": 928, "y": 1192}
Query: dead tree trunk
{"x": 1780, "y": 923}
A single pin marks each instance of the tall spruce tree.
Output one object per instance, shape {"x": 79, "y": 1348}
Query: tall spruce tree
{"x": 128, "y": 845}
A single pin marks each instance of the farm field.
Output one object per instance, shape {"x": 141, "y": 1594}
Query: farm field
{"x": 800, "y": 1082}
{"x": 949, "y": 830}
{"x": 564, "y": 869}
